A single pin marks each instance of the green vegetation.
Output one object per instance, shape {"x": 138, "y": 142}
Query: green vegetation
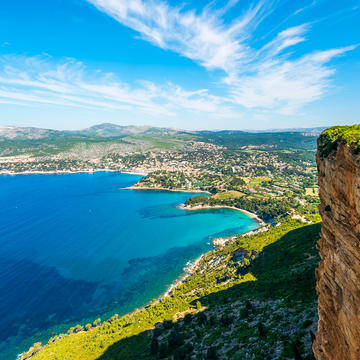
{"x": 235, "y": 140}
{"x": 254, "y": 298}
{"x": 251, "y": 299}
{"x": 266, "y": 208}
{"x": 270, "y": 183}
{"x": 329, "y": 138}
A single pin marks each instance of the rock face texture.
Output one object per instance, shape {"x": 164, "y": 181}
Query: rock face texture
{"x": 338, "y": 276}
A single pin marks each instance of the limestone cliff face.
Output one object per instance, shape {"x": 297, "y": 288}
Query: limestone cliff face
{"x": 338, "y": 276}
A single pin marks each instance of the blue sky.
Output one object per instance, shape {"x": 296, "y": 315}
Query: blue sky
{"x": 234, "y": 64}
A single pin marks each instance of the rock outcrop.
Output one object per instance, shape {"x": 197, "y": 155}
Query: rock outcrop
{"x": 338, "y": 276}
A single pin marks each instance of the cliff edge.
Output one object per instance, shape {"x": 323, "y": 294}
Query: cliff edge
{"x": 338, "y": 275}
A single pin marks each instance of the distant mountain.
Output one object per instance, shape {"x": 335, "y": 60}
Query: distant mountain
{"x": 26, "y": 133}
{"x": 99, "y": 140}
{"x": 113, "y": 130}
{"x": 315, "y": 130}
{"x": 108, "y": 129}
{"x": 101, "y": 130}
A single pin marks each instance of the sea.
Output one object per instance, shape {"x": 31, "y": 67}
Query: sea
{"x": 76, "y": 247}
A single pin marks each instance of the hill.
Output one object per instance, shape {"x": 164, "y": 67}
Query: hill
{"x": 108, "y": 129}
{"x": 254, "y": 298}
{"x": 26, "y": 133}
{"x": 100, "y": 140}
{"x": 90, "y": 143}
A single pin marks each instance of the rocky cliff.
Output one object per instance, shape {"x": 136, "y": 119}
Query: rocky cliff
{"x": 338, "y": 276}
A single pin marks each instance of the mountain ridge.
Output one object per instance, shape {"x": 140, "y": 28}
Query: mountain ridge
{"x": 11, "y": 132}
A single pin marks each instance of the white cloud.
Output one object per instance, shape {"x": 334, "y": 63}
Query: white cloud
{"x": 268, "y": 79}
{"x": 41, "y": 80}
{"x": 200, "y": 37}
{"x": 271, "y": 77}
{"x": 285, "y": 86}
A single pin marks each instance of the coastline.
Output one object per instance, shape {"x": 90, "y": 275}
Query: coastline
{"x": 201, "y": 207}
{"x": 166, "y": 189}
{"x": 62, "y": 172}
{"x": 192, "y": 265}
{"x": 188, "y": 270}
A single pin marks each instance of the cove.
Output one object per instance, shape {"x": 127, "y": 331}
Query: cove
{"x": 76, "y": 247}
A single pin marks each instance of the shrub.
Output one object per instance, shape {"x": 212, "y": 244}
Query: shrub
{"x": 226, "y": 320}
{"x": 188, "y": 319}
{"x": 261, "y": 329}
{"x": 175, "y": 340}
{"x": 306, "y": 324}
{"x": 163, "y": 351}
{"x": 211, "y": 354}
{"x": 168, "y": 324}
{"x": 201, "y": 318}
{"x": 154, "y": 347}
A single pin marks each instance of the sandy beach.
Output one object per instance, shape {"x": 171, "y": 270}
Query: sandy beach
{"x": 201, "y": 207}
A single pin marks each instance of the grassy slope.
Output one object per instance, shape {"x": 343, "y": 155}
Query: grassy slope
{"x": 278, "y": 279}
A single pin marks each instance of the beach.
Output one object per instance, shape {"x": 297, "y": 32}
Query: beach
{"x": 201, "y": 207}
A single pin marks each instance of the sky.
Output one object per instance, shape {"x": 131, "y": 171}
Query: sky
{"x": 197, "y": 64}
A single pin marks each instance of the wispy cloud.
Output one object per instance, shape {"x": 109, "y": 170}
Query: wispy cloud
{"x": 285, "y": 86}
{"x": 271, "y": 77}
{"x": 201, "y": 37}
{"x": 268, "y": 78}
{"x": 42, "y": 80}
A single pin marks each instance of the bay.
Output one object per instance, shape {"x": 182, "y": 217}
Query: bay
{"x": 76, "y": 247}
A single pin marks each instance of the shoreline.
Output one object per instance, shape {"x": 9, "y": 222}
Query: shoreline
{"x": 63, "y": 172}
{"x": 166, "y": 189}
{"x": 208, "y": 207}
{"x": 192, "y": 265}
{"x": 188, "y": 270}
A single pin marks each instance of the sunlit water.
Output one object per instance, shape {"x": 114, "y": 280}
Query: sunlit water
{"x": 76, "y": 247}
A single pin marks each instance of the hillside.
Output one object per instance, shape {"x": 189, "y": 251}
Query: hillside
{"x": 100, "y": 140}
{"x": 108, "y": 129}
{"x": 90, "y": 143}
{"x": 254, "y": 299}
{"x": 26, "y": 133}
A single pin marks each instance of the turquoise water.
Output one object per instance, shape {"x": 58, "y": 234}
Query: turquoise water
{"x": 76, "y": 247}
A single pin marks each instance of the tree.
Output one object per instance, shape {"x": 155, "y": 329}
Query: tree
{"x": 296, "y": 351}
{"x": 175, "y": 340}
{"x": 114, "y": 317}
{"x": 261, "y": 329}
{"x": 154, "y": 347}
{"x": 163, "y": 351}
{"x": 226, "y": 320}
{"x": 167, "y": 324}
{"x": 201, "y": 318}
{"x": 78, "y": 328}
{"x": 187, "y": 319}
{"x": 211, "y": 354}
